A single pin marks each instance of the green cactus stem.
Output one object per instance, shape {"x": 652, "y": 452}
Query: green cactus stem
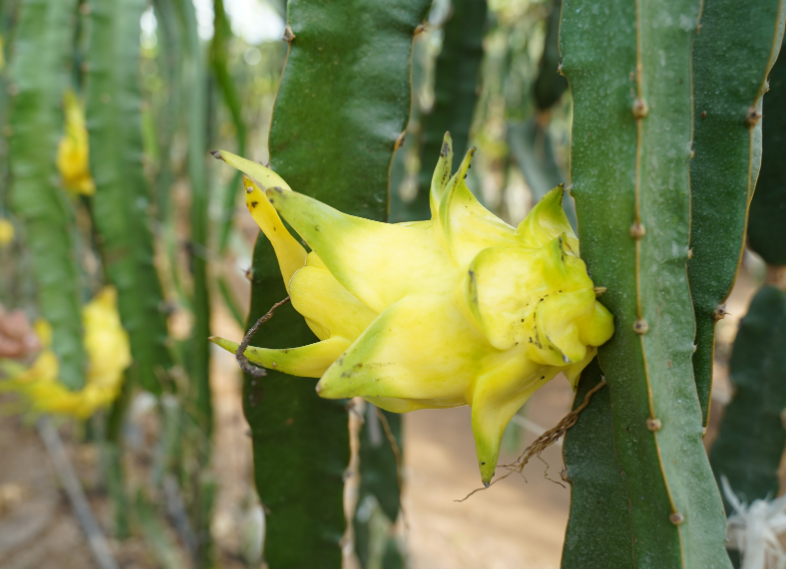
{"x": 733, "y": 52}
{"x": 629, "y": 172}
{"x": 120, "y": 204}
{"x": 337, "y": 121}
{"x": 599, "y": 496}
{"x": 37, "y": 80}
{"x": 766, "y": 227}
{"x": 455, "y": 93}
{"x": 550, "y": 84}
{"x": 752, "y": 436}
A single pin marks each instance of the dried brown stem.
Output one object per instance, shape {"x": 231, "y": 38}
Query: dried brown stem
{"x": 543, "y": 441}
{"x": 240, "y": 354}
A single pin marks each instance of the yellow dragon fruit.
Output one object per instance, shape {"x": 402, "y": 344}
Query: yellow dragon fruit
{"x": 108, "y": 352}
{"x": 73, "y": 152}
{"x": 461, "y": 309}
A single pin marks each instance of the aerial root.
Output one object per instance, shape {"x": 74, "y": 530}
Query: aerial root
{"x": 543, "y": 442}
{"x": 240, "y": 354}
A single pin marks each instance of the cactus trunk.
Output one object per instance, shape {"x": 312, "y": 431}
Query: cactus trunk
{"x": 629, "y": 174}
{"x": 455, "y": 93}
{"x": 733, "y": 52}
{"x": 343, "y": 103}
{"x": 751, "y": 440}
{"x": 599, "y": 496}
{"x": 122, "y": 198}
{"x": 38, "y": 79}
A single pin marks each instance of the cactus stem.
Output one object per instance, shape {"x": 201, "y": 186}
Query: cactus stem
{"x": 288, "y": 35}
{"x": 654, "y": 424}
{"x": 676, "y": 518}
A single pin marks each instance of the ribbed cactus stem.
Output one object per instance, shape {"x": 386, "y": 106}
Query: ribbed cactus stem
{"x": 120, "y": 205}
{"x": 733, "y": 53}
{"x": 38, "y": 78}
{"x": 342, "y": 105}
{"x": 456, "y": 75}
{"x": 629, "y": 173}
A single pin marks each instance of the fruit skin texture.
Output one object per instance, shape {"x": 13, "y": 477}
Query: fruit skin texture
{"x": 461, "y": 309}
{"x": 109, "y": 354}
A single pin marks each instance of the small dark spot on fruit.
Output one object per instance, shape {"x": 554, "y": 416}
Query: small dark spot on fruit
{"x": 254, "y": 204}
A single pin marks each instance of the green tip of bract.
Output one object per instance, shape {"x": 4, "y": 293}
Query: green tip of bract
{"x": 228, "y": 345}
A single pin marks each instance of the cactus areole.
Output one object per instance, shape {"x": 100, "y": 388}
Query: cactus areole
{"x": 461, "y": 309}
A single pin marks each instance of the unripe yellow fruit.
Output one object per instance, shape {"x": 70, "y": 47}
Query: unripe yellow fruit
{"x": 462, "y": 309}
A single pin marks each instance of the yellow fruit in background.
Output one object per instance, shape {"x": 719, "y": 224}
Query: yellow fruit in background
{"x": 461, "y": 309}
{"x": 108, "y": 352}
{"x": 6, "y": 232}
{"x": 73, "y": 152}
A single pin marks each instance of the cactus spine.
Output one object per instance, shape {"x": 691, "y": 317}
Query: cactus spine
{"x": 629, "y": 173}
